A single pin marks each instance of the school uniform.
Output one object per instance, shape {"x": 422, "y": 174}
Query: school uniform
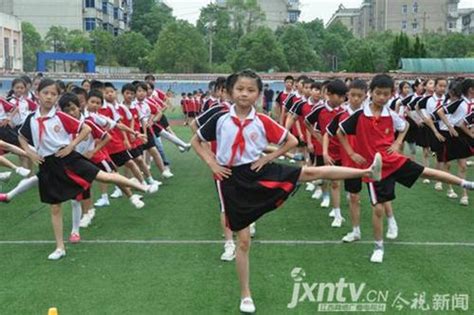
{"x": 281, "y": 100}
{"x": 290, "y": 101}
{"x": 423, "y": 136}
{"x": 147, "y": 112}
{"x": 320, "y": 119}
{"x": 411, "y": 116}
{"x": 456, "y": 148}
{"x": 246, "y": 194}
{"x": 7, "y": 133}
{"x": 353, "y": 185}
{"x": 183, "y": 106}
{"x": 108, "y": 118}
{"x": 376, "y": 134}
{"x": 209, "y": 103}
{"x": 60, "y": 179}
{"x": 427, "y": 106}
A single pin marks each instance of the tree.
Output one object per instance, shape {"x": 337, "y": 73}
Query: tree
{"x": 150, "y": 18}
{"x": 259, "y": 50}
{"x": 102, "y": 43}
{"x": 132, "y": 50}
{"x": 180, "y": 48}
{"x": 78, "y": 41}
{"x": 215, "y": 21}
{"x": 32, "y": 43}
{"x": 56, "y": 38}
{"x": 297, "y": 49}
{"x": 245, "y": 15}
{"x": 456, "y": 45}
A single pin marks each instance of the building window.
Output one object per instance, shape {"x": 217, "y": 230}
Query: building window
{"x": 404, "y": 25}
{"x": 116, "y": 31}
{"x": 104, "y": 7}
{"x": 404, "y": 9}
{"x": 90, "y": 24}
{"x": 451, "y": 25}
{"x": 15, "y": 47}
{"x": 415, "y": 26}
{"x": 116, "y": 14}
{"x": 415, "y": 7}
{"x": 89, "y": 3}
{"x": 293, "y": 16}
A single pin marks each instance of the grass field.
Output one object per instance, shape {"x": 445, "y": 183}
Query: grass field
{"x": 164, "y": 259}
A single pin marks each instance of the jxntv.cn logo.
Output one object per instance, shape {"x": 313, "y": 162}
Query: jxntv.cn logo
{"x": 340, "y": 296}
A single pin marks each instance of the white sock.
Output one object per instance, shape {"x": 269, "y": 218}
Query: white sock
{"x": 23, "y": 185}
{"x": 467, "y": 185}
{"x": 105, "y": 197}
{"x": 150, "y": 180}
{"x": 76, "y": 215}
{"x": 356, "y": 230}
{"x": 173, "y": 139}
{"x": 391, "y": 220}
{"x": 337, "y": 212}
{"x": 379, "y": 245}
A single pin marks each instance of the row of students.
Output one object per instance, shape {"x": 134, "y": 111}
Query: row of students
{"x": 109, "y": 146}
{"x": 359, "y": 136}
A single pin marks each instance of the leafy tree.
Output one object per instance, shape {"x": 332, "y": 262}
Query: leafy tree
{"x": 132, "y": 49}
{"x": 245, "y": 15}
{"x": 32, "y": 43}
{"x": 297, "y": 49}
{"x": 214, "y": 21}
{"x": 149, "y": 18}
{"x": 180, "y": 48}
{"x": 102, "y": 43}
{"x": 259, "y": 50}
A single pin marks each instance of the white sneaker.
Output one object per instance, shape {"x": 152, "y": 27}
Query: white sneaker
{"x": 101, "y": 202}
{"x": 253, "y": 229}
{"x": 451, "y": 194}
{"x": 167, "y": 174}
{"x": 377, "y": 256}
{"x": 136, "y": 201}
{"x": 152, "y": 189}
{"x": 326, "y": 201}
{"x": 117, "y": 192}
{"x": 426, "y": 181}
{"x": 351, "y": 237}
{"x": 464, "y": 201}
{"x": 23, "y": 172}
{"x": 157, "y": 182}
{"x": 332, "y": 213}
{"x": 281, "y": 157}
{"x": 85, "y": 221}
{"x": 246, "y": 305}
{"x": 392, "y": 231}
{"x": 91, "y": 213}
{"x": 292, "y": 161}
{"x": 318, "y": 193}
{"x": 185, "y": 148}
{"x": 57, "y": 254}
{"x": 229, "y": 251}
{"x": 376, "y": 167}
{"x": 4, "y": 176}
{"x": 438, "y": 186}
{"x": 337, "y": 222}
{"x": 470, "y": 163}
{"x": 310, "y": 187}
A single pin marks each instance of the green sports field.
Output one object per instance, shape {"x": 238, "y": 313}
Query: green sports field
{"x": 164, "y": 259}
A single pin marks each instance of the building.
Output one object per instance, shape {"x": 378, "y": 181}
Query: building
{"x": 277, "y": 12}
{"x": 466, "y": 21}
{"x": 409, "y": 16}
{"x": 11, "y": 47}
{"x": 85, "y": 15}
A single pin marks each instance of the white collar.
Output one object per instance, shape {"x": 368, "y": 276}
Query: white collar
{"x": 250, "y": 116}
{"x": 368, "y": 111}
{"x": 50, "y": 114}
{"x": 329, "y": 108}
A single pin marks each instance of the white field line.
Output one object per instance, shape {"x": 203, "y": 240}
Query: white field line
{"x": 263, "y": 242}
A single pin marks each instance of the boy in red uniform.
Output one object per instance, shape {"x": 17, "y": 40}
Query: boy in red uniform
{"x": 374, "y": 127}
